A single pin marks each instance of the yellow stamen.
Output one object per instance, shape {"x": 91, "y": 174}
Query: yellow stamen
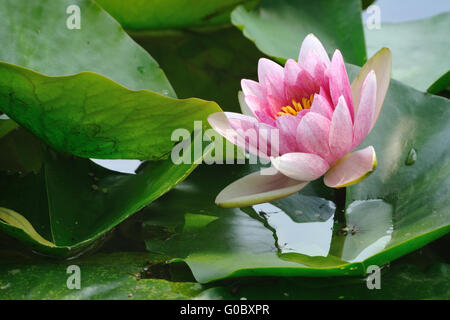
{"x": 296, "y": 106}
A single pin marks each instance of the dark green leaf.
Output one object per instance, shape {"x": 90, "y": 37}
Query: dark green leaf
{"x": 103, "y": 276}
{"x": 70, "y": 202}
{"x": 169, "y": 14}
{"x": 208, "y": 64}
{"x": 38, "y": 38}
{"x": 279, "y": 27}
{"x": 90, "y": 116}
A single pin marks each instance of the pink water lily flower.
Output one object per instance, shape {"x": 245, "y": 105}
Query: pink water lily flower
{"x": 320, "y": 119}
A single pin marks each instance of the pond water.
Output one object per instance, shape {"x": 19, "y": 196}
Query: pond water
{"x": 407, "y": 10}
{"x": 368, "y": 231}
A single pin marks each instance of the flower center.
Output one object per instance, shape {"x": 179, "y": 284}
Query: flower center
{"x": 296, "y": 106}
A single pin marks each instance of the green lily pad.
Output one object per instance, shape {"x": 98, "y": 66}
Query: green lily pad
{"x": 207, "y": 64}
{"x": 169, "y": 14}
{"x": 420, "y": 275}
{"x": 413, "y": 168}
{"x": 20, "y": 152}
{"x": 61, "y": 208}
{"x": 53, "y": 84}
{"x": 38, "y": 38}
{"x": 420, "y": 51}
{"x": 398, "y": 209}
{"x": 103, "y": 276}
{"x": 91, "y": 116}
{"x": 279, "y": 27}
{"x": 6, "y": 125}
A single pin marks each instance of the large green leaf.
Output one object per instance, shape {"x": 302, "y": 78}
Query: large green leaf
{"x": 401, "y": 207}
{"x": 420, "y": 275}
{"x": 413, "y": 173}
{"x": 420, "y": 51}
{"x": 34, "y": 34}
{"x": 279, "y": 27}
{"x": 207, "y": 64}
{"x": 91, "y": 116}
{"x": 68, "y": 203}
{"x": 20, "y": 152}
{"x": 168, "y": 14}
{"x": 6, "y": 125}
{"x": 103, "y": 276}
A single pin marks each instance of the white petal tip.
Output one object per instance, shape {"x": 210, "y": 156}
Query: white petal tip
{"x": 258, "y": 187}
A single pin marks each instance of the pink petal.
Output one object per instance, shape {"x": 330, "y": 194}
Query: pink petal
{"x": 339, "y": 83}
{"x": 257, "y": 188}
{"x": 321, "y": 106}
{"x": 301, "y": 166}
{"x": 326, "y": 94}
{"x": 316, "y": 68}
{"x": 341, "y": 130}
{"x": 265, "y": 67}
{"x": 288, "y": 125}
{"x": 257, "y": 105}
{"x": 246, "y": 132}
{"x": 253, "y": 88}
{"x": 366, "y": 110}
{"x": 275, "y": 93}
{"x": 275, "y": 104}
{"x": 313, "y": 135}
{"x": 311, "y": 43}
{"x": 352, "y": 169}
{"x": 265, "y": 118}
{"x": 381, "y": 63}
{"x": 275, "y": 87}
{"x": 291, "y": 71}
{"x": 299, "y": 83}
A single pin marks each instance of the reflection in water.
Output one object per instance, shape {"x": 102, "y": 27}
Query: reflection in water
{"x": 309, "y": 238}
{"x": 374, "y": 226}
{"x": 370, "y": 222}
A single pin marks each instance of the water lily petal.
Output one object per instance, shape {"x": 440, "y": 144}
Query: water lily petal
{"x": 265, "y": 67}
{"x": 258, "y": 187}
{"x": 257, "y": 105}
{"x": 339, "y": 83}
{"x": 246, "y": 132}
{"x": 352, "y": 169}
{"x": 288, "y": 125}
{"x": 245, "y": 109}
{"x": 311, "y": 43}
{"x": 313, "y": 134}
{"x": 299, "y": 83}
{"x": 275, "y": 86}
{"x": 381, "y": 63}
{"x": 341, "y": 130}
{"x": 321, "y": 106}
{"x": 253, "y": 88}
{"x": 316, "y": 68}
{"x": 366, "y": 110}
{"x": 301, "y": 166}
{"x": 275, "y": 89}
{"x": 265, "y": 118}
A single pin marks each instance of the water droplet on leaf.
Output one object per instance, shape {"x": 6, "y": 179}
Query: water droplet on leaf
{"x": 412, "y": 157}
